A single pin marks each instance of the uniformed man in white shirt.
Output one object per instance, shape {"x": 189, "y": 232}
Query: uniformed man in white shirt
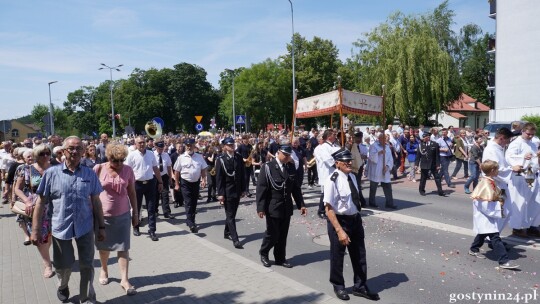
{"x": 345, "y": 229}
{"x": 165, "y": 169}
{"x": 147, "y": 180}
{"x": 189, "y": 176}
{"x": 325, "y": 163}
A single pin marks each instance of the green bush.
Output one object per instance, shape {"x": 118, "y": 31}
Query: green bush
{"x": 535, "y": 119}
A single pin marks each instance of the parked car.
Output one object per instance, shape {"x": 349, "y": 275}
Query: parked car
{"x": 494, "y": 126}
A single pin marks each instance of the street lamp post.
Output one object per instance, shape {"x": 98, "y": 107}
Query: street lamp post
{"x": 293, "y": 73}
{"x": 112, "y": 102}
{"x": 233, "y": 112}
{"x": 51, "y": 115}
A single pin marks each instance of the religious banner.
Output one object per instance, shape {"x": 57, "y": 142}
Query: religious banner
{"x": 328, "y": 104}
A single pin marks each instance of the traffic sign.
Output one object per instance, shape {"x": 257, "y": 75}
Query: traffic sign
{"x": 240, "y": 119}
{"x": 199, "y": 127}
{"x": 198, "y": 118}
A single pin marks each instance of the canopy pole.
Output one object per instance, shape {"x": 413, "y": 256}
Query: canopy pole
{"x": 295, "y": 104}
{"x": 341, "y": 112}
{"x": 383, "y": 122}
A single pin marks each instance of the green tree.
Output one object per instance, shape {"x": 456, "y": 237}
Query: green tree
{"x": 405, "y": 55}
{"x": 38, "y": 113}
{"x": 474, "y": 64}
{"x": 82, "y": 110}
{"x": 191, "y": 94}
{"x": 316, "y": 67}
{"x": 262, "y": 92}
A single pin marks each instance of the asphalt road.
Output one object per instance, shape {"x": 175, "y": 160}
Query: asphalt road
{"x": 416, "y": 254}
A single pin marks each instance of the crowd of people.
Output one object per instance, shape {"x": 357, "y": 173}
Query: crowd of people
{"x": 112, "y": 176}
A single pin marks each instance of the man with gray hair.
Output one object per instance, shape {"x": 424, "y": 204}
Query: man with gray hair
{"x": 72, "y": 192}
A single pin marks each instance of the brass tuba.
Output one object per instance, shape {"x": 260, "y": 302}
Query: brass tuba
{"x": 153, "y": 129}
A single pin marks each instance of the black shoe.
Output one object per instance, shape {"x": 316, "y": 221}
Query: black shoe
{"x": 194, "y": 229}
{"x": 214, "y": 199}
{"x": 422, "y": 193}
{"x": 444, "y": 194}
{"x": 237, "y": 245}
{"x": 365, "y": 293}
{"x": 285, "y": 264}
{"x": 249, "y": 195}
{"x": 176, "y": 205}
{"x": 227, "y": 237}
{"x": 169, "y": 216}
{"x": 208, "y": 201}
{"x": 63, "y": 294}
{"x": 265, "y": 261}
{"x": 342, "y": 294}
{"x": 136, "y": 232}
{"x": 322, "y": 216}
{"x": 374, "y": 206}
{"x": 153, "y": 236}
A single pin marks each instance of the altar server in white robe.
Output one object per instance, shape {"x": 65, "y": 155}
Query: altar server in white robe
{"x": 380, "y": 164}
{"x": 522, "y": 152}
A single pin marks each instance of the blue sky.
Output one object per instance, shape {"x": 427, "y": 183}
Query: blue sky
{"x": 66, "y": 40}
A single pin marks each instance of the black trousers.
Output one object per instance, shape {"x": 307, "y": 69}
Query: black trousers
{"x": 231, "y": 207}
{"x": 387, "y": 189}
{"x": 352, "y": 225}
{"x": 148, "y": 189}
{"x": 424, "y": 175}
{"x": 358, "y": 175}
{"x": 275, "y": 236}
{"x": 190, "y": 191}
{"x": 164, "y": 195}
{"x": 211, "y": 186}
{"x": 249, "y": 171}
{"x": 312, "y": 175}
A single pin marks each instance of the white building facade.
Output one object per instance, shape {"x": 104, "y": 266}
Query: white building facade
{"x": 517, "y": 59}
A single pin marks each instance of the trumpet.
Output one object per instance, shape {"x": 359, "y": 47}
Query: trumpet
{"x": 311, "y": 162}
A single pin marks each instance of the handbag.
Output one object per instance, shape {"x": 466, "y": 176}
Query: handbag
{"x": 453, "y": 156}
{"x": 19, "y": 208}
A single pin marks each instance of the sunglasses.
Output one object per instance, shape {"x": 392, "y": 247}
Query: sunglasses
{"x": 117, "y": 160}
{"x": 44, "y": 154}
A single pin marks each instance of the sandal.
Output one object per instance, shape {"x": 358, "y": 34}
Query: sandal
{"x": 103, "y": 281}
{"x": 48, "y": 272}
{"x": 131, "y": 291}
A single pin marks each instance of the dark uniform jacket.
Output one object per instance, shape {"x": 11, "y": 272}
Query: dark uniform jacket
{"x": 275, "y": 192}
{"x": 231, "y": 187}
{"x": 427, "y": 155}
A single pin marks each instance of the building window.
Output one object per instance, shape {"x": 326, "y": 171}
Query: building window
{"x": 15, "y": 133}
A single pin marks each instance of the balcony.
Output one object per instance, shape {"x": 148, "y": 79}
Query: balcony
{"x": 491, "y": 45}
{"x": 491, "y": 82}
{"x": 492, "y": 9}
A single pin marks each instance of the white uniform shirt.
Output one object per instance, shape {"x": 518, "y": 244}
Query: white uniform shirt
{"x": 338, "y": 194}
{"x": 166, "y": 161}
{"x": 142, "y": 164}
{"x": 190, "y": 166}
{"x": 325, "y": 161}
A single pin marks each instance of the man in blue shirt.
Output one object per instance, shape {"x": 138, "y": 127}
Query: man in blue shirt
{"x": 72, "y": 192}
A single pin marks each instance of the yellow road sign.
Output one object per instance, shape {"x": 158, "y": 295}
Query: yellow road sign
{"x": 198, "y": 118}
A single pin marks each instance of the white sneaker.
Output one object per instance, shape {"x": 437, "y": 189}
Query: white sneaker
{"x": 478, "y": 255}
{"x": 507, "y": 265}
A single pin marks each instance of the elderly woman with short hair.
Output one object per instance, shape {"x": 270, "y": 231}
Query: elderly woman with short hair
{"x": 117, "y": 199}
{"x": 29, "y": 177}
